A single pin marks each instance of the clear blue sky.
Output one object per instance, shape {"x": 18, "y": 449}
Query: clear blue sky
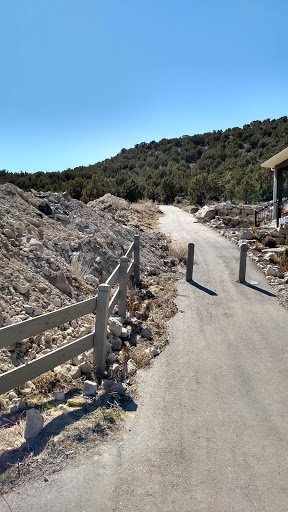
{"x": 81, "y": 79}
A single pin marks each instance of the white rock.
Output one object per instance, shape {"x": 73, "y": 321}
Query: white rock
{"x": 146, "y": 333}
{"x": 57, "y": 240}
{"x": 34, "y": 423}
{"x": 85, "y": 366}
{"x": 46, "y": 271}
{"x": 90, "y": 388}
{"x": 106, "y": 384}
{"x": 93, "y": 281}
{"x": 272, "y": 271}
{"x": 115, "y": 327}
{"x": 59, "y": 396}
{"x": 28, "y": 309}
{"x": 153, "y": 351}
{"x": 26, "y": 391}
{"x": 75, "y": 373}
{"x": 247, "y": 235}
{"x": 65, "y": 245}
{"x": 34, "y": 222}
{"x": 116, "y": 343}
{"x": 56, "y": 302}
{"x": 9, "y": 233}
{"x": 19, "y": 227}
{"x": 21, "y": 406}
{"x": 130, "y": 367}
{"x": 118, "y": 387}
{"x": 125, "y": 333}
{"x": 111, "y": 358}
{"x": 21, "y": 287}
{"x": 12, "y": 395}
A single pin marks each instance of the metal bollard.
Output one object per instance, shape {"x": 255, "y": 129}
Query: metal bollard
{"x": 242, "y": 267}
{"x": 190, "y": 262}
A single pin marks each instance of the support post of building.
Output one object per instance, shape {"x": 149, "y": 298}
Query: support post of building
{"x": 190, "y": 262}
{"x": 242, "y": 266}
{"x": 277, "y": 193}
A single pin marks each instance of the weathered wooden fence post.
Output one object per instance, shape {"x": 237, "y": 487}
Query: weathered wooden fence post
{"x": 242, "y": 267}
{"x": 137, "y": 259}
{"x": 100, "y": 335}
{"x": 190, "y": 262}
{"x": 123, "y": 278}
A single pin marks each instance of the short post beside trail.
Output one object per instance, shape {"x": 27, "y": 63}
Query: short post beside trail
{"x": 242, "y": 267}
{"x": 100, "y": 334}
{"x": 123, "y": 286}
{"x": 190, "y": 262}
{"x": 137, "y": 260}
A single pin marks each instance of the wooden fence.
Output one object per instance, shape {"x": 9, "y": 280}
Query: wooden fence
{"x": 101, "y": 305}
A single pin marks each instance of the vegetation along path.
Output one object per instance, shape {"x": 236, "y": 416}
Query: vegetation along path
{"x": 210, "y": 430}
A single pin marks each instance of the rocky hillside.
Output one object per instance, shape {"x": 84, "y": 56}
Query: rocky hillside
{"x": 54, "y": 251}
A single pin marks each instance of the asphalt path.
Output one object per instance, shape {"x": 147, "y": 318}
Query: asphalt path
{"x": 210, "y": 430}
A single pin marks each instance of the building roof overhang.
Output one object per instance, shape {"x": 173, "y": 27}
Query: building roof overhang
{"x": 277, "y": 160}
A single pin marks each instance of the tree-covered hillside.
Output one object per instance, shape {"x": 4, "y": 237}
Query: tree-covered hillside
{"x": 211, "y": 166}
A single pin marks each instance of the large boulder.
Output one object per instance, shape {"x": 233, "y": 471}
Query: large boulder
{"x": 207, "y": 213}
{"x": 247, "y": 235}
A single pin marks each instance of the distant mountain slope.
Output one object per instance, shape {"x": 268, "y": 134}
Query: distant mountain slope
{"x": 209, "y": 166}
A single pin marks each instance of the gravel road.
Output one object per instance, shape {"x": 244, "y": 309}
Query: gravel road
{"x": 210, "y": 431}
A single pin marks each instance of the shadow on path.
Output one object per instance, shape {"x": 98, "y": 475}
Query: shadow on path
{"x": 257, "y": 289}
{"x": 202, "y": 288}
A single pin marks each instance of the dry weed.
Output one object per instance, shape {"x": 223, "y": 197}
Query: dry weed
{"x": 139, "y": 355}
{"x": 79, "y": 269}
{"x": 258, "y": 246}
{"x": 179, "y": 251}
{"x": 282, "y": 261}
{"x": 145, "y": 205}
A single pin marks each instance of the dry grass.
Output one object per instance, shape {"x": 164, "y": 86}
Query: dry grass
{"x": 179, "y": 251}
{"x": 145, "y": 205}
{"x": 258, "y": 246}
{"x": 119, "y": 204}
{"x": 282, "y": 261}
{"x": 79, "y": 269}
{"x": 255, "y": 232}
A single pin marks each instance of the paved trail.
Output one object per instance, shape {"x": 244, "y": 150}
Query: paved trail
{"x": 210, "y": 432}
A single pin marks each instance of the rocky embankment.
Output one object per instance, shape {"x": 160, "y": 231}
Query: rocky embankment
{"x": 54, "y": 251}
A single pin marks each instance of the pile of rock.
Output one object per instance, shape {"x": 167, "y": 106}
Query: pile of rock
{"x": 227, "y": 214}
{"x": 54, "y": 251}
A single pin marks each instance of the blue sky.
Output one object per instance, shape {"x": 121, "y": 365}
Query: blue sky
{"x": 82, "y": 79}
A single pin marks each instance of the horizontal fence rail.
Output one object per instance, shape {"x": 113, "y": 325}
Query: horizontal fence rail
{"x": 114, "y": 276}
{"x": 43, "y": 364}
{"x": 101, "y": 305}
{"x": 113, "y": 301}
{"x": 17, "y": 332}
